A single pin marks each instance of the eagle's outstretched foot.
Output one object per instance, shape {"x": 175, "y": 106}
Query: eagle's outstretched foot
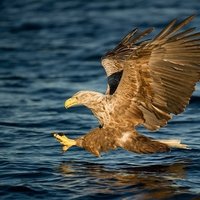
{"x": 60, "y": 137}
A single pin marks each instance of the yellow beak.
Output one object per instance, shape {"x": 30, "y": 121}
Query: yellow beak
{"x": 70, "y": 102}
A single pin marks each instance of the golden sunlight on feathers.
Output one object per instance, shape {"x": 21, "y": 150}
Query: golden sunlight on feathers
{"x": 147, "y": 82}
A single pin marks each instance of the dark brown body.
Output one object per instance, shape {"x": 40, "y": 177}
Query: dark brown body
{"x": 102, "y": 140}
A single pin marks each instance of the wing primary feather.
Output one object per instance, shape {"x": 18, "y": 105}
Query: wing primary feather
{"x": 128, "y": 36}
{"x": 191, "y": 36}
{"x": 141, "y": 35}
{"x": 165, "y": 30}
{"x": 179, "y": 26}
{"x": 179, "y": 35}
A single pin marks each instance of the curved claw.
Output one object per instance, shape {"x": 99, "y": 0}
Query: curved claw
{"x": 60, "y": 137}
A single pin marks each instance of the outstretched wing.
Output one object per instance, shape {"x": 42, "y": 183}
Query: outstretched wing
{"x": 114, "y": 61}
{"x": 159, "y": 77}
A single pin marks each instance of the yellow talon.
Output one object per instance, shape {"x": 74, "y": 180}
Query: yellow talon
{"x": 60, "y": 137}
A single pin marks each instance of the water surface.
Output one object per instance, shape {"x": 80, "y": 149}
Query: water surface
{"x": 48, "y": 51}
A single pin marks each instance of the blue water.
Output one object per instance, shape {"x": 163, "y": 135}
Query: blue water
{"x": 51, "y": 49}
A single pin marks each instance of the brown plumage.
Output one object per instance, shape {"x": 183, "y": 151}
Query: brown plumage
{"x": 147, "y": 82}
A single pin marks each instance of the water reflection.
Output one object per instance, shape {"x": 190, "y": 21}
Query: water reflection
{"x": 150, "y": 182}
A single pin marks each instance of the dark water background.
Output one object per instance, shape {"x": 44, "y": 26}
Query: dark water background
{"x": 49, "y": 50}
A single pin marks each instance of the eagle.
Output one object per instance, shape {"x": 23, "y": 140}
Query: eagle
{"x": 148, "y": 81}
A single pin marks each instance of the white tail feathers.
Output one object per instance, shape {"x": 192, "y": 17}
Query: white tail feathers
{"x": 174, "y": 143}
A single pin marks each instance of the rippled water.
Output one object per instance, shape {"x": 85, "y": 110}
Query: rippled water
{"x": 48, "y": 51}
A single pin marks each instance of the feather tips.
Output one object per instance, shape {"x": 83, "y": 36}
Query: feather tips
{"x": 160, "y": 76}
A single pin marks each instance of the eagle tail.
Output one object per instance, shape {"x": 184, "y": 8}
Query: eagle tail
{"x": 175, "y": 143}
